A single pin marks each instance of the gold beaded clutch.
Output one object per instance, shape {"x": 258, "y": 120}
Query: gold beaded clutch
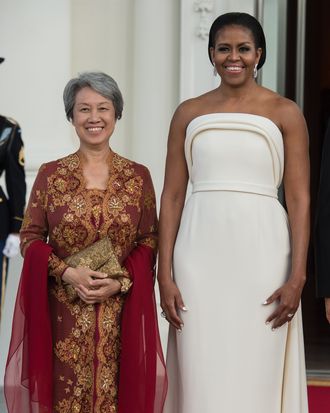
{"x": 99, "y": 256}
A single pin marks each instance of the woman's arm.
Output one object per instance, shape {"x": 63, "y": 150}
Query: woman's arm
{"x": 172, "y": 202}
{"x": 296, "y": 186}
{"x": 35, "y": 224}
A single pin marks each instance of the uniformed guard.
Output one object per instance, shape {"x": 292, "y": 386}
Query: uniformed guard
{"x": 11, "y": 205}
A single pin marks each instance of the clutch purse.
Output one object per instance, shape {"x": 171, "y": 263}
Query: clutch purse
{"x": 99, "y": 256}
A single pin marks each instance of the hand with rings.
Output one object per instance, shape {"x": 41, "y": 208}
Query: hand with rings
{"x": 163, "y": 314}
{"x": 287, "y": 298}
{"x": 171, "y": 303}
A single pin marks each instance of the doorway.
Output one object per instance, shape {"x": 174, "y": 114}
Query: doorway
{"x": 299, "y": 52}
{"x": 316, "y": 109}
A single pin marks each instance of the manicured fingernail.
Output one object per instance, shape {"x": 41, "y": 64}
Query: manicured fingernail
{"x": 273, "y": 328}
{"x": 184, "y": 308}
{"x": 267, "y": 322}
{"x": 265, "y": 302}
{"x": 181, "y": 326}
{"x": 179, "y": 330}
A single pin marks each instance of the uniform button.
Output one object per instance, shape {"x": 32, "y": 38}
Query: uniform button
{"x": 1, "y": 200}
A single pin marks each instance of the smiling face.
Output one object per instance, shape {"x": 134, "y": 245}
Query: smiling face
{"x": 235, "y": 55}
{"x": 93, "y": 118}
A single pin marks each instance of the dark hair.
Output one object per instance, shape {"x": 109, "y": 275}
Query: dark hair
{"x": 102, "y": 83}
{"x": 244, "y": 20}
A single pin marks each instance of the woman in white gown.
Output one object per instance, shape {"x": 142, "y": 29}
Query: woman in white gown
{"x": 239, "y": 262}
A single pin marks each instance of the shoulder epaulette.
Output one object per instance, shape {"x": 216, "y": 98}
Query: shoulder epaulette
{"x": 11, "y": 120}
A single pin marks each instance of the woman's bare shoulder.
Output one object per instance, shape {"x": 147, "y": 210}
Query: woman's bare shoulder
{"x": 288, "y": 113}
{"x": 275, "y": 101}
{"x": 191, "y": 108}
{"x": 279, "y": 109}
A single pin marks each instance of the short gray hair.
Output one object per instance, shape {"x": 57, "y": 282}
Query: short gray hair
{"x": 102, "y": 83}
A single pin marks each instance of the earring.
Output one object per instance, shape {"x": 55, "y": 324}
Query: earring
{"x": 255, "y": 71}
{"x": 215, "y": 73}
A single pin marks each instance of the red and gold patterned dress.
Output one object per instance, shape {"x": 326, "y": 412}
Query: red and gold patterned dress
{"x": 86, "y": 338}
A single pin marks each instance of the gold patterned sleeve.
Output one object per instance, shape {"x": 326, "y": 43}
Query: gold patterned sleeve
{"x": 35, "y": 225}
{"x": 125, "y": 284}
{"x": 148, "y": 225}
{"x": 56, "y": 266}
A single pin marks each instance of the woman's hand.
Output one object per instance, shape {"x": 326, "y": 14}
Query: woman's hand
{"x": 99, "y": 290}
{"x": 81, "y": 276}
{"x": 171, "y": 301}
{"x": 288, "y": 297}
{"x": 327, "y": 308}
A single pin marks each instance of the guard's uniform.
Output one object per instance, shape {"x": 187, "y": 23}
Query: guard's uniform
{"x": 12, "y": 205}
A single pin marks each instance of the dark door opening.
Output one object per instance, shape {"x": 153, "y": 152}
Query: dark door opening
{"x": 317, "y": 113}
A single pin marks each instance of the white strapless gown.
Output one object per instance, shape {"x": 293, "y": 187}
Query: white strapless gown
{"x": 232, "y": 252}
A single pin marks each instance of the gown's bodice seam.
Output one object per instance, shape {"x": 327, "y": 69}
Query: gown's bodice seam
{"x": 235, "y": 186}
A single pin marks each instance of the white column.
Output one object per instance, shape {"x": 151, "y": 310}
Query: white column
{"x": 155, "y": 88}
{"x": 102, "y": 41}
{"x": 155, "y": 81}
{"x": 35, "y": 40}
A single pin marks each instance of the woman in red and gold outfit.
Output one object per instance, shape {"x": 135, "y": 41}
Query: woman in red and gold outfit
{"x": 75, "y": 201}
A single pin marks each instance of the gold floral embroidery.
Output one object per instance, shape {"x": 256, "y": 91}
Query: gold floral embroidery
{"x": 27, "y": 220}
{"x": 96, "y": 214}
{"x": 64, "y": 406}
{"x": 68, "y": 351}
{"x": 106, "y": 379}
{"x": 78, "y": 205}
{"x": 76, "y": 407}
{"x": 77, "y": 391}
{"x": 115, "y": 205}
{"x": 108, "y": 319}
{"x": 85, "y": 378}
{"x": 68, "y": 217}
{"x": 149, "y": 200}
{"x": 108, "y": 351}
{"x": 133, "y": 186}
{"x": 124, "y": 218}
{"x": 56, "y": 266}
{"x": 42, "y": 198}
{"x": 85, "y": 321}
{"x": 125, "y": 284}
{"x": 60, "y": 185}
{"x": 149, "y": 242}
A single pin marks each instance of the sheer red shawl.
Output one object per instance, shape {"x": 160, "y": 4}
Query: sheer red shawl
{"x": 28, "y": 376}
{"x": 143, "y": 381}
